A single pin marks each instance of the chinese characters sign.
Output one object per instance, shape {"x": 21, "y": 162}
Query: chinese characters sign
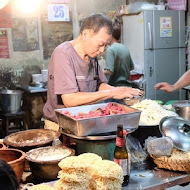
{"x": 165, "y": 26}
{"x": 4, "y": 47}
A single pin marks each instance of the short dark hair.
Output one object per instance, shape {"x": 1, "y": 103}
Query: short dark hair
{"x": 8, "y": 179}
{"x": 96, "y": 22}
{"x": 116, "y": 31}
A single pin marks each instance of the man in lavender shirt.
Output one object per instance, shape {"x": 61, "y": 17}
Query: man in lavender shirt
{"x": 74, "y": 76}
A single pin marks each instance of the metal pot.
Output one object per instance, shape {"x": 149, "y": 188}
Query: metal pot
{"x": 182, "y": 108}
{"x": 10, "y": 100}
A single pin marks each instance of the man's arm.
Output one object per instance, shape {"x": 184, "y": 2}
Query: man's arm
{"x": 105, "y": 92}
{"x": 183, "y": 81}
{"x": 107, "y": 72}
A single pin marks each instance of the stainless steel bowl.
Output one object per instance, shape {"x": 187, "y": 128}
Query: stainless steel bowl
{"x": 37, "y": 84}
{"x": 182, "y": 108}
{"x": 133, "y": 100}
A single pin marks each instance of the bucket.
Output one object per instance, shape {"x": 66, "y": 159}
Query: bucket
{"x": 10, "y": 100}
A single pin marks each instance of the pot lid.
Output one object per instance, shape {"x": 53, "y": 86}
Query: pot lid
{"x": 178, "y": 129}
{"x": 183, "y": 103}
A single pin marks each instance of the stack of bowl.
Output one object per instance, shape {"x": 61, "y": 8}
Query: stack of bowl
{"x": 30, "y": 139}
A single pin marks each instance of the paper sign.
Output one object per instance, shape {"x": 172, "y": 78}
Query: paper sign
{"x": 58, "y": 1}
{"x": 58, "y": 12}
{"x": 4, "y": 47}
{"x": 165, "y": 26}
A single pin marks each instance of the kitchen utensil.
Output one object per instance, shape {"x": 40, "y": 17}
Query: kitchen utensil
{"x": 178, "y": 129}
{"x": 97, "y": 125}
{"x": 10, "y": 100}
{"x": 44, "y": 161}
{"x": 182, "y": 108}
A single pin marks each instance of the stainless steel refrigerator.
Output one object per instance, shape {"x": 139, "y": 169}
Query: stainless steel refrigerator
{"x": 156, "y": 41}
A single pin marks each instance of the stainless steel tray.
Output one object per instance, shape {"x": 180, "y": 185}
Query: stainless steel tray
{"x": 97, "y": 125}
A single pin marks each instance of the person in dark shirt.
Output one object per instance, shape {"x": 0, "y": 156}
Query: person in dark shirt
{"x": 118, "y": 61}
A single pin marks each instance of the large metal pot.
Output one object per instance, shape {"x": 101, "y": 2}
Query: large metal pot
{"x": 10, "y": 100}
{"x": 182, "y": 108}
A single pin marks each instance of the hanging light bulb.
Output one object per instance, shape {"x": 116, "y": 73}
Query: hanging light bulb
{"x": 3, "y": 3}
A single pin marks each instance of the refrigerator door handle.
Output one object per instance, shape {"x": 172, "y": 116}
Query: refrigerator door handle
{"x": 150, "y": 36}
{"x": 150, "y": 71}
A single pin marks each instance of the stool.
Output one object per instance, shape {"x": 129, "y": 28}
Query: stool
{"x": 18, "y": 119}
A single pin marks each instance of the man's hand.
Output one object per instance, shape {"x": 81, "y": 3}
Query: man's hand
{"x": 123, "y": 92}
{"x": 165, "y": 87}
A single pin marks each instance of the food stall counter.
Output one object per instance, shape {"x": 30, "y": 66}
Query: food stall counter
{"x": 147, "y": 177}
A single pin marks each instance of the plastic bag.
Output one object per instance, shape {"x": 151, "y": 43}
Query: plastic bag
{"x": 138, "y": 155}
{"x": 159, "y": 146}
{"x": 140, "y": 6}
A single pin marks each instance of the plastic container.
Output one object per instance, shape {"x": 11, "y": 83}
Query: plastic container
{"x": 44, "y": 75}
{"x": 36, "y": 78}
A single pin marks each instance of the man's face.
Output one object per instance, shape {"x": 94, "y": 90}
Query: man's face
{"x": 95, "y": 44}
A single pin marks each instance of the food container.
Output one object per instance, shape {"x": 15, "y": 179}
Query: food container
{"x": 178, "y": 129}
{"x": 29, "y": 139}
{"x": 44, "y": 161}
{"x": 44, "y": 75}
{"x": 15, "y": 158}
{"x": 132, "y": 101}
{"x": 97, "y": 125}
{"x": 36, "y": 78}
{"x": 182, "y": 108}
{"x": 10, "y": 100}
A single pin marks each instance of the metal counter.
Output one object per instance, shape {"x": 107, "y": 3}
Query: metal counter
{"x": 145, "y": 178}
{"x": 150, "y": 178}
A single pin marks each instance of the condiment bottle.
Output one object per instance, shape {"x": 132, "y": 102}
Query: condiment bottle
{"x": 121, "y": 155}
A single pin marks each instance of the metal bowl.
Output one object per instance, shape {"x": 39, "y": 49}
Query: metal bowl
{"x": 182, "y": 108}
{"x": 44, "y": 161}
{"x": 37, "y": 84}
{"x": 132, "y": 101}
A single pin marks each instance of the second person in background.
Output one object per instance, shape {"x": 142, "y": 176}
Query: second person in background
{"x": 118, "y": 61}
